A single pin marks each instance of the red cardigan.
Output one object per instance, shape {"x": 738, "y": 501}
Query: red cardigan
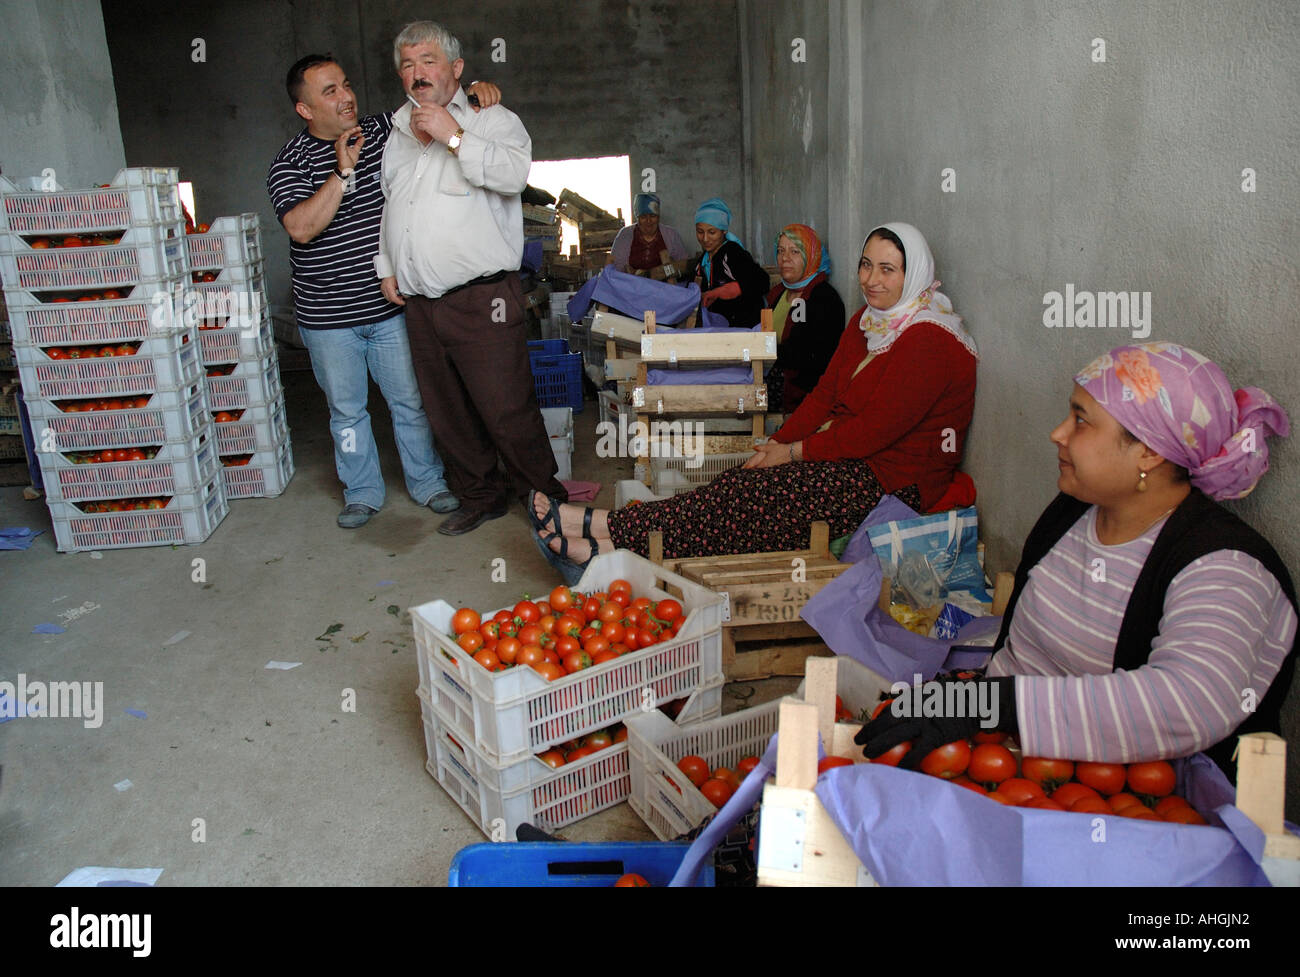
{"x": 898, "y": 413}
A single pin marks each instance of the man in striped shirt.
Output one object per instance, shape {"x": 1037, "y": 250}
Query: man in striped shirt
{"x": 324, "y": 185}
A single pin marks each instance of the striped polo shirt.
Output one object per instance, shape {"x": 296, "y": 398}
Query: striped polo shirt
{"x": 334, "y": 283}
{"x": 1224, "y": 633}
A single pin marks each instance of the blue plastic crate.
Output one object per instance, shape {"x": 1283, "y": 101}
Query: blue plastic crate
{"x": 546, "y": 863}
{"x": 546, "y": 347}
{"x": 558, "y": 379}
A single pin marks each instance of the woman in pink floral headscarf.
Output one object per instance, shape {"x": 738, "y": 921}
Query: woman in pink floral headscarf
{"x": 1147, "y": 622}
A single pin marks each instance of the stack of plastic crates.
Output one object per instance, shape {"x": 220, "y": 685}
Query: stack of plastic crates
{"x": 239, "y": 358}
{"x": 485, "y": 732}
{"x": 96, "y": 283}
{"x": 557, "y": 374}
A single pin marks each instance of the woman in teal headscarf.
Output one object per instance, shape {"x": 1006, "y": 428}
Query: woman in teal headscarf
{"x": 733, "y": 283}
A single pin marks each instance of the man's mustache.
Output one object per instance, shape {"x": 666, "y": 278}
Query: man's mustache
{"x": 422, "y": 84}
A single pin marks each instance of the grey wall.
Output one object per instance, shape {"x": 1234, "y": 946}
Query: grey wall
{"x": 58, "y": 110}
{"x": 1118, "y": 175}
{"x": 659, "y": 81}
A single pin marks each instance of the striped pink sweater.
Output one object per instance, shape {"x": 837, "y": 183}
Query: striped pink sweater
{"x": 1225, "y": 631}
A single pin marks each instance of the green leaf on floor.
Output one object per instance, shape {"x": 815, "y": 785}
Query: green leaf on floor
{"x": 359, "y": 638}
{"x": 332, "y": 629}
{"x": 394, "y": 610}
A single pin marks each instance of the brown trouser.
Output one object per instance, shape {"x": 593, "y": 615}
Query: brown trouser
{"x": 477, "y": 389}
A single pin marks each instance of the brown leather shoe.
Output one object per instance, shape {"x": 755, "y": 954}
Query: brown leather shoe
{"x": 467, "y": 520}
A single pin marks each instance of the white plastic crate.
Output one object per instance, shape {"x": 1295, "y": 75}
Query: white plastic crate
{"x": 559, "y": 427}
{"x": 228, "y": 345}
{"x": 265, "y": 476}
{"x": 216, "y": 302}
{"x": 500, "y": 798}
{"x": 258, "y": 428}
{"x": 612, "y": 408}
{"x": 162, "y": 362}
{"x": 228, "y": 241}
{"x": 252, "y": 382}
{"x": 179, "y": 468}
{"x": 673, "y": 476}
{"x": 171, "y": 415}
{"x": 513, "y": 713}
{"x": 662, "y": 796}
{"x": 143, "y": 253}
{"x": 630, "y": 490}
{"x": 240, "y": 274}
{"x": 154, "y": 307}
{"x": 140, "y": 195}
{"x": 186, "y": 519}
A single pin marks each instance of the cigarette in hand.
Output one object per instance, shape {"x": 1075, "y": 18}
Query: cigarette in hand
{"x": 412, "y": 100}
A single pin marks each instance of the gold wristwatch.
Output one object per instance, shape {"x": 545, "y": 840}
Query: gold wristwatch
{"x": 453, "y": 144}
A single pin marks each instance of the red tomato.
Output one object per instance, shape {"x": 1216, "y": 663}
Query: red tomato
{"x": 609, "y": 612}
{"x": 530, "y": 634}
{"x": 527, "y": 611}
{"x": 631, "y": 881}
{"x": 503, "y": 617}
{"x": 947, "y": 761}
{"x": 668, "y": 610}
{"x": 622, "y": 598}
{"x": 566, "y": 646}
{"x": 600, "y": 657}
{"x": 577, "y": 661}
{"x": 1167, "y": 804}
{"x": 964, "y": 781}
{"x": 1048, "y": 774}
{"x": 599, "y": 740}
{"x": 1183, "y": 815}
{"x": 1044, "y": 804}
{"x": 590, "y": 608}
{"x": 1104, "y": 778}
{"x": 1088, "y": 804}
{"x": 1067, "y": 794}
{"x": 491, "y": 631}
{"x": 621, "y": 735}
{"x": 695, "y": 767}
{"x": 529, "y": 655}
{"x": 1122, "y": 802}
{"x": 994, "y": 795}
{"x": 568, "y": 624}
{"x": 746, "y": 765}
{"x": 465, "y": 619}
{"x": 895, "y": 754}
{"x": 991, "y": 764}
{"x": 595, "y": 644}
{"x": 552, "y": 758}
{"x": 574, "y": 755}
{"x": 881, "y": 708}
{"x": 990, "y": 737}
{"x": 508, "y": 650}
{"x": 545, "y": 609}
{"x": 1140, "y": 812}
{"x": 613, "y": 632}
{"x": 472, "y": 641}
{"x": 1020, "y": 791}
{"x": 561, "y": 599}
{"x": 716, "y": 792}
{"x": 826, "y": 763}
{"x": 547, "y": 623}
{"x": 618, "y": 586}
{"x": 1155, "y": 779}
{"x": 487, "y": 659}
{"x": 549, "y": 671}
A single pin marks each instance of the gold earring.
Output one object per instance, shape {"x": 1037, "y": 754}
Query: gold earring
{"x": 1142, "y": 481}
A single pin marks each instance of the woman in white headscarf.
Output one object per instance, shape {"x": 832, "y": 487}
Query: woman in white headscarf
{"x": 889, "y": 416}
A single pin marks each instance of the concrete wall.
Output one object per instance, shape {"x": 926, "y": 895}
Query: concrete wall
{"x": 1123, "y": 174}
{"x": 59, "y": 110}
{"x": 658, "y": 81}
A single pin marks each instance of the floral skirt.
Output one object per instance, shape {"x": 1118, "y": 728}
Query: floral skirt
{"x": 757, "y": 510}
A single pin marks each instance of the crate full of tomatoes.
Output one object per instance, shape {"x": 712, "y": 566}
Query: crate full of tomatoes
{"x": 682, "y": 775}
{"x": 980, "y": 813}
{"x": 109, "y": 370}
{"x": 99, "y": 524}
{"x": 227, "y": 241}
{"x": 138, "y": 196}
{"x": 98, "y": 423}
{"x": 518, "y": 700}
{"x": 258, "y": 475}
{"x": 140, "y": 471}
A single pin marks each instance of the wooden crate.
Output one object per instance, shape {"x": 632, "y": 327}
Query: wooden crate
{"x": 578, "y": 208}
{"x": 794, "y": 819}
{"x": 765, "y": 593}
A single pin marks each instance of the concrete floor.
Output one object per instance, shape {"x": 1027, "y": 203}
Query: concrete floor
{"x": 290, "y": 789}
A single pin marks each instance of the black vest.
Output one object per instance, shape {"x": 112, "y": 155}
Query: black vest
{"x": 1197, "y": 527}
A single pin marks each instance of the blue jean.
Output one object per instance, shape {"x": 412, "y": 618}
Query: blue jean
{"x": 341, "y": 358}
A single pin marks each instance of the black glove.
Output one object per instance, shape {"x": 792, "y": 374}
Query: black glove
{"x": 928, "y": 733}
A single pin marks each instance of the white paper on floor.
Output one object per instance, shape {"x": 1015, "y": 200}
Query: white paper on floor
{"x": 123, "y": 785}
{"x": 176, "y": 638}
{"x": 283, "y": 666}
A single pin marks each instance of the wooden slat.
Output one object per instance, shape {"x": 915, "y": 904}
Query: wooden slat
{"x": 828, "y": 860}
{"x": 1002, "y": 587}
{"x": 820, "y": 677}
{"x": 1261, "y": 779}
{"x": 611, "y": 325}
{"x": 768, "y": 660}
{"x": 722, "y": 398}
{"x": 785, "y": 630}
{"x": 709, "y": 347}
{"x": 796, "y": 748}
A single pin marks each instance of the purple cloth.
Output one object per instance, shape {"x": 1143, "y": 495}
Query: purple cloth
{"x": 911, "y": 829}
{"x": 890, "y": 509}
{"x": 712, "y": 374}
{"x": 1177, "y": 402}
{"x": 846, "y": 614}
{"x": 532, "y": 260}
{"x": 633, "y": 296}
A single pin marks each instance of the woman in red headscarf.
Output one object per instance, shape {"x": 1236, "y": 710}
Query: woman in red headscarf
{"x": 808, "y": 316}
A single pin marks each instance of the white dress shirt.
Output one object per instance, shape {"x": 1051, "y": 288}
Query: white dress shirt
{"x": 451, "y": 219}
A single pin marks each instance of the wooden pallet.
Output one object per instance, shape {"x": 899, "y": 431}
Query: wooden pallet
{"x": 762, "y": 632}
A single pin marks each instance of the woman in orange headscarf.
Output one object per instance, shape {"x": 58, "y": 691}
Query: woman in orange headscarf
{"x": 808, "y": 317}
